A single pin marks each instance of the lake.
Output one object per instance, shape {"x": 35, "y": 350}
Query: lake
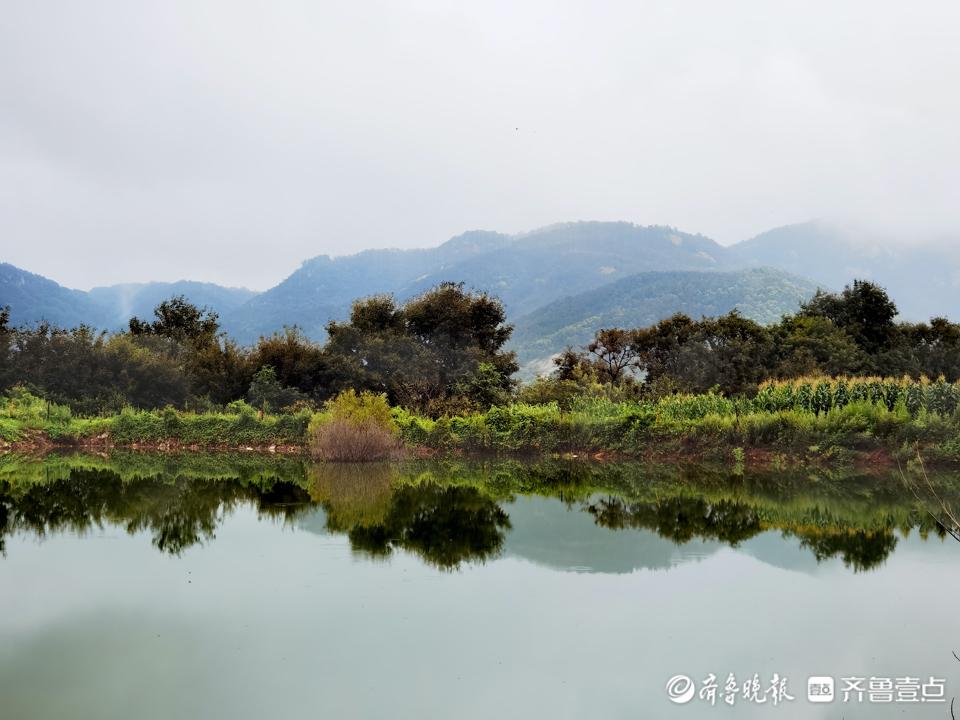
{"x": 240, "y": 586}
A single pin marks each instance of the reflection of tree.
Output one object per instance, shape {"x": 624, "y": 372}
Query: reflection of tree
{"x": 859, "y": 549}
{"x": 681, "y": 518}
{"x": 178, "y": 512}
{"x": 4, "y": 522}
{"x": 444, "y": 525}
{"x": 447, "y": 513}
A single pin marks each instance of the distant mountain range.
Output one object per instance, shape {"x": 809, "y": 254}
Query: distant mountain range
{"x": 559, "y": 283}
{"x": 33, "y": 298}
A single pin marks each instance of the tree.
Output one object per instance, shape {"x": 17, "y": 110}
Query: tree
{"x": 180, "y": 320}
{"x": 615, "y": 354}
{"x": 298, "y": 362}
{"x": 4, "y": 346}
{"x": 864, "y": 310}
{"x": 446, "y": 342}
{"x": 814, "y": 345}
{"x": 217, "y": 367}
{"x": 730, "y": 352}
{"x": 268, "y": 393}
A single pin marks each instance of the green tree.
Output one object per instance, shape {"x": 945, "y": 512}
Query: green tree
{"x": 813, "y": 345}
{"x": 863, "y": 309}
{"x": 268, "y": 393}
{"x": 298, "y": 362}
{"x": 427, "y": 351}
{"x": 180, "y": 320}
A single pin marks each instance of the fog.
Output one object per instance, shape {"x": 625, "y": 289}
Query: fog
{"x": 228, "y": 141}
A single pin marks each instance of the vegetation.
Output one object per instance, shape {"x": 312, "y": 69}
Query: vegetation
{"x": 354, "y": 427}
{"x": 442, "y": 350}
{"x": 715, "y": 385}
{"x": 25, "y": 418}
{"x": 851, "y": 333}
{"x": 802, "y": 421}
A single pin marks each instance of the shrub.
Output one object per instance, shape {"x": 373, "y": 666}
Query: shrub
{"x": 354, "y": 428}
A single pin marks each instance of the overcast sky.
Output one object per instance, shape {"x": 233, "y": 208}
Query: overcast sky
{"x": 228, "y": 141}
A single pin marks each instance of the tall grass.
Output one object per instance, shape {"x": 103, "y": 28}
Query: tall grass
{"x": 239, "y": 425}
{"x": 354, "y": 428}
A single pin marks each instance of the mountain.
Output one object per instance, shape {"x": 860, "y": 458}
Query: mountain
{"x": 761, "y": 294}
{"x": 923, "y": 279}
{"x": 33, "y": 298}
{"x": 556, "y": 282}
{"x": 121, "y": 302}
{"x": 525, "y": 271}
{"x": 323, "y": 288}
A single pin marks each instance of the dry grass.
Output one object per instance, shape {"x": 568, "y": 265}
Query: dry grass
{"x": 343, "y": 440}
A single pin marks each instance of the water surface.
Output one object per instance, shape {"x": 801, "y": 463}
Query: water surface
{"x": 235, "y": 587}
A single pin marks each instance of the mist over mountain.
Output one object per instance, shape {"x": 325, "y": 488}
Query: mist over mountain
{"x": 121, "y": 302}
{"x": 33, "y": 298}
{"x": 923, "y": 278}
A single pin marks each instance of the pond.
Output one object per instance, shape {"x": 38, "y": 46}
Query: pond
{"x": 248, "y": 587}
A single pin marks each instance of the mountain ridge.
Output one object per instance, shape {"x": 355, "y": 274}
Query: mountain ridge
{"x": 527, "y": 271}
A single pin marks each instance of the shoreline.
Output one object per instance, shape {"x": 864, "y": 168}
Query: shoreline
{"x": 661, "y": 450}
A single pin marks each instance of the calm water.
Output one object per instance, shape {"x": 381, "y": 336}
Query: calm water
{"x": 223, "y": 587}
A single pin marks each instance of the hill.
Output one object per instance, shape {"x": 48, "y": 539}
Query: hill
{"x": 760, "y": 294}
{"x": 922, "y": 278}
{"x": 324, "y": 287}
{"x": 525, "y": 271}
{"x": 33, "y": 298}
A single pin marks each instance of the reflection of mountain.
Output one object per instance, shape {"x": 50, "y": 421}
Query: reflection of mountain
{"x": 549, "y": 533}
{"x": 771, "y": 548}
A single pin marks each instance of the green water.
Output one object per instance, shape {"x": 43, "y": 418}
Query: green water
{"x": 241, "y": 587}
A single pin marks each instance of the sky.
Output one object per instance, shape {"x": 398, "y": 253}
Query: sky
{"x": 229, "y": 140}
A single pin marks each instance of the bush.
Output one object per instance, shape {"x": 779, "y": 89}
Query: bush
{"x": 354, "y": 428}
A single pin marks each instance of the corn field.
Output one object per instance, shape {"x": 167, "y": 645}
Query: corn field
{"x": 821, "y": 394}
